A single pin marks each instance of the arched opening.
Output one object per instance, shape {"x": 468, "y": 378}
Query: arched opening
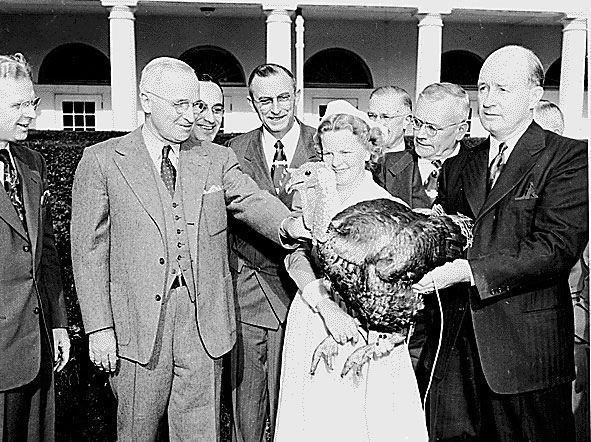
{"x": 217, "y": 62}
{"x": 552, "y": 77}
{"x": 75, "y": 63}
{"x": 337, "y": 68}
{"x": 461, "y": 67}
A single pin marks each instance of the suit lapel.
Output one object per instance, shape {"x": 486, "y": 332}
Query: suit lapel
{"x": 256, "y": 162}
{"x": 521, "y": 160}
{"x": 31, "y": 188}
{"x": 138, "y": 170}
{"x": 9, "y": 215}
{"x": 305, "y": 150}
{"x": 474, "y": 176}
{"x": 7, "y": 211}
{"x": 402, "y": 172}
{"x": 194, "y": 164}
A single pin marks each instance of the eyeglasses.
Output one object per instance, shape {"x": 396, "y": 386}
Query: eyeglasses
{"x": 384, "y": 117}
{"x": 430, "y": 129}
{"x": 182, "y": 106}
{"x": 23, "y": 105}
{"x": 217, "y": 109}
{"x": 283, "y": 100}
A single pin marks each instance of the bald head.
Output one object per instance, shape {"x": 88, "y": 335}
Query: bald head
{"x": 509, "y": 87}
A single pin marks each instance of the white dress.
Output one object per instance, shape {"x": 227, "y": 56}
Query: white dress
{"x": 381, "y": 405}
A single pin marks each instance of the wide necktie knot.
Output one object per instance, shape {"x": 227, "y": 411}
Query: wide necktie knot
{"x": 432, "y": 179}
{"x": 12, "y": 185}
{"x": 167, "y": 170}
{"x": 279, "y": 166}
{"x": 496, "y": 166}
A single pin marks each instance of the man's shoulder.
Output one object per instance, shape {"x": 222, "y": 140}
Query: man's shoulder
{"x": 244, "y": 139}
{"x": 112, "y": 143}
{"x": 307, "y": 131}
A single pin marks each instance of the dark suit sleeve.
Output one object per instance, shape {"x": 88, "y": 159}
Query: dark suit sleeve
{"x": 248, "y": 203}
{"x": 51, "y": 279}
{"x": 550, "y": 235}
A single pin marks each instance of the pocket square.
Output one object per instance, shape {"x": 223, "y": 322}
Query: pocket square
{"x": 530, "y": 194}
{"x": 212, "y": 189}
{"x": 45, "y": 198}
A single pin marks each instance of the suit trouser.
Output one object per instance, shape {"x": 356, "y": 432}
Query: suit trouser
{"x": 462, "y": 407}
{"x": 256, "y": 366}
{"x": 27, "y": 413}
{"x": 181, "y": 379}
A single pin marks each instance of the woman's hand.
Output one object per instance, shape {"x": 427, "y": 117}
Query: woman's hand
{"x": 340, "y": 325}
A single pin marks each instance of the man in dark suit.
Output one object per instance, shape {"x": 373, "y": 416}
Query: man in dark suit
{"x": 507, "y": 376}
{"x": 33, "y": 336}
{"x": 263, "y": 288}
{"x": 150, "y": 256}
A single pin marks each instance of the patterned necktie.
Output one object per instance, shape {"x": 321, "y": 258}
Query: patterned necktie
{"x": 496, "y": 167}
{"x": 167, "y": 170}
{"x": 279, "y": 167}
{"x": 12, "y": 185}
{"x": 431, "y": 184}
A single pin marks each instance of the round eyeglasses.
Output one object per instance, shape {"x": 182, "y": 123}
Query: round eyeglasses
{"x": 283, "y": 100}
{"x": 182, "y": 106}
{"x": 24, "y": 105}
{"x": 430, "y": 129}
{"x": 384, "y": 117}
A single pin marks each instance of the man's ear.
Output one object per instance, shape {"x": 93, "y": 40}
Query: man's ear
{"x": 462, "y": 130}
{"x": 146, "y": 103}
{"x": 535, "y": 95}
{"x": 297, "y": 97}
{"x": 251, "y": 102}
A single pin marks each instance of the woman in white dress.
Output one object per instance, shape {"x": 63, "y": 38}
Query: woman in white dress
{"x": 382, "y": 404}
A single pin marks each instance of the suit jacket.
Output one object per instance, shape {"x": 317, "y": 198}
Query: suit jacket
{"x": 119, "y": 243}
{"x": 30, "y": 281}
{"x": 528, "y": 232}
{"x": 394, "y": 171}
{"x": 264, "y": 290}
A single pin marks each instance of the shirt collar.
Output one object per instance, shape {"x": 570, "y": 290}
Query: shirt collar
{"x": 155, "y": 146}
{"x": 510, "y": 142}
{"x": 426, "y": 167}
{"x": 399, "y": 147}
{"x": 289, "y": 141}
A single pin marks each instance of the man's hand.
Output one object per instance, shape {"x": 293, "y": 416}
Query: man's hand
{"x": 61, "y": 344}
{"x": 444, "y": 276}
{"x": 340, "y": 325}
{"x": 102, "y": 347}
{"x": 293, "y": 229}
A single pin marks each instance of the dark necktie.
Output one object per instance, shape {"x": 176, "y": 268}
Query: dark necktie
{"x": 496, "y": 167}
{"x": 279, "y": 166}
{"x": 431, "y": 184}
{"x": 12, "y": 185}
{"x": 167, "y": 171}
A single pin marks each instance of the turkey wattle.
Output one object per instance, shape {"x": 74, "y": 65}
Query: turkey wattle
{"x": 372, "y": 253}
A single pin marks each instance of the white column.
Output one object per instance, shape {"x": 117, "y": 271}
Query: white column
{"x": 428, "y": 50}
{"x": 123, "y": 63}
{"x": 279, "y": 36}
{"x": 299, "y": 74}
{"x": 572, "y": 71}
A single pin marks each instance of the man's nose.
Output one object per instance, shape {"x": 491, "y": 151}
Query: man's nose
{"x": 275, "y": 106}
{"x": 29, "y": 112}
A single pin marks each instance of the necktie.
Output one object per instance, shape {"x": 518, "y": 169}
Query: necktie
{"x": 497, "y": 165}
{"x": 431, "y": 184}
{"x": 12, "y": 185}
{"x": 279, "y": 166}
{"x": 167, "y": 171}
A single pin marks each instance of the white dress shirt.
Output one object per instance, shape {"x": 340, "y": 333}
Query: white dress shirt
{"x": 155, "y": 146}
{"x": 289, "y": 141}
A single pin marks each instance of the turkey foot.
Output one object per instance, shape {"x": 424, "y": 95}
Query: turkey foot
{"x": 326, "y": 350}
{"x": 384, "y": 345}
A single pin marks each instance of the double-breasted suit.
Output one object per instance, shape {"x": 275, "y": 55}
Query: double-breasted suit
{"x": 124, "y": 244}
{"x": 264, "y": 292}
{"x": 528, "y": 231}
{"x": 31, "y": 295}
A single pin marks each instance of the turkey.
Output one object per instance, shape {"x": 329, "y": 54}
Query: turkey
{"x": 371, "y": 253}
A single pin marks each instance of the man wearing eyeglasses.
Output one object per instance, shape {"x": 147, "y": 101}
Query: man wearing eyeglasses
{"x": 263, "y": 288}
{"x": 33, "y": 336}
{"x": 506, "y": 366}
{"x": 209, "y": 121}
{"x": 149, "y": 252}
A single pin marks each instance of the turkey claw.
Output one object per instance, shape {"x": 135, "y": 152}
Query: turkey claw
{"x": 326, "y": 350}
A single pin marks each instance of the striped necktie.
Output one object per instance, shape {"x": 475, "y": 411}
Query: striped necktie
{"x": 431, "y": 184}
{"x": 496, "y": 167}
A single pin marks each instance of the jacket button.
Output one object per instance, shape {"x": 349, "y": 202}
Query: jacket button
{"x": 176, "y": 217}
{"x": 157, "y": 298}
{"x": 179, "y": 231}
{"x": 179, "y": 257}
{"x": 179, "y": 244}
{"x": 174, "y": 205}
{"x": 26, "y": 248}
{"x": 162, "y": 261}
{"x": 36, "y": 310}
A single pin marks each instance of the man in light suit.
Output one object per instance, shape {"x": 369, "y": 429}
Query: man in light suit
{"x": 263, "y": 288}
{"x": 149, "y": 248}
{"x": 508, "y": 375}
{"x": 33, "y": 336}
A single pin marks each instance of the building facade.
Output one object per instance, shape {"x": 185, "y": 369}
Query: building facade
{"x": 87, "y": 55}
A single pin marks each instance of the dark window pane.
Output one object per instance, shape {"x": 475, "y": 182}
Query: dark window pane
{"x": 67, "y": 107}
{"x": 68, "y": 120}
{"x": 78, "y": 120}
{"x": 68, "y": 128}
{"x": 78, "y": 107}
{"x": 90, "y": 120}
{"x": 89, "y": 107}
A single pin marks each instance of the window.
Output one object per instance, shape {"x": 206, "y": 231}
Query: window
{"x": 75, "y": 63}
{"x": 337, "y": 68}
{"x": 552, "y": 79}
{"x": 78, "y": 112}
{"x": 461, "y": 67}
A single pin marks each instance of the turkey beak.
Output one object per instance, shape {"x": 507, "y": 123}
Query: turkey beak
{"x": 289, "y": 185}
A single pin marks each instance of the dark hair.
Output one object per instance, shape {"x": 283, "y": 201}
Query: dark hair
{"x": 372, "y": 138}
{"x": 208, "y": 78}
{"x": 266, "y": 70}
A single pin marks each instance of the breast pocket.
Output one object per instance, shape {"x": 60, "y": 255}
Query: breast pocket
{"x": 214, "y": 210}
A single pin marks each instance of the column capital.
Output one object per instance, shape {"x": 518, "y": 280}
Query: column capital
{"x": 112, "y": 3}
{"x": 574, "y": 23}
{"x": 279, "y": 5}
{"x": 430, "y": 18}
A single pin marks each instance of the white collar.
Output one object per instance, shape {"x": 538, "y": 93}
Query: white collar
{"x": 426, "y": 166}
{"x": 510, "y": 142}
{"x": 399, "y": 147}
{"x": 155, "y": 145}
{"x": 289, "y": 141}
